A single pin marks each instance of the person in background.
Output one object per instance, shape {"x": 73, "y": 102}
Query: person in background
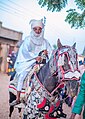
{"x": 11, "y": 61}
{"x": 80, "y": 99}
{"x": 28, "y": 53}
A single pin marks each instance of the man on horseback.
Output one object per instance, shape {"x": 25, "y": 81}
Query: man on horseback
{"x": 28, "y": 53}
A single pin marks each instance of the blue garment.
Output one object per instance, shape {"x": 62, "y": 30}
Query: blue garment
{"x": 80, "y": 101}
{"x": 11, "y": 70}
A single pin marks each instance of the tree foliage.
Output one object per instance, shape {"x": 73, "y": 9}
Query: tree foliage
{"x": 53, "y": 5}
{"x": 75, "y": 19}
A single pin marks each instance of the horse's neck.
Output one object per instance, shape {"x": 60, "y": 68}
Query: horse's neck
{"x": 44, "y": 72}
{"x": 47, "y": 70}
{"x": 52, "y": 65}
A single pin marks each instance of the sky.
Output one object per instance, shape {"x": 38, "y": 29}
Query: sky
{"x": 16, "y": 14}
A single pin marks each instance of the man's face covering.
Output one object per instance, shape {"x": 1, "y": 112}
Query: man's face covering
{"x": 37, "y": 31}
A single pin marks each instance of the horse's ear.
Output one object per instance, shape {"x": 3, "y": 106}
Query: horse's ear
{"x": 74, "y": 45}
{"x": 59, "y": 44}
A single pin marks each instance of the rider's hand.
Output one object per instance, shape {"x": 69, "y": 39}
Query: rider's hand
{"x": 45, "y": 52}
{"x": 39, "y": 59}
{"x": 36, "y": 68}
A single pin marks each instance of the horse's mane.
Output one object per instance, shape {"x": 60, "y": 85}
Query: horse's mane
{"x": 46, "y": 77}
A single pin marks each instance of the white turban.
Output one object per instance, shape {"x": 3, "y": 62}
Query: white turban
{"x": 35, "y": 23}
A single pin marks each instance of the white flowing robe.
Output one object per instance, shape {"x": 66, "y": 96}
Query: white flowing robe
{"x": 28, "y": 51}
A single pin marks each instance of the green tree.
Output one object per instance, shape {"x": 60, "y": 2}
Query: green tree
{"x": 74, "y": 18}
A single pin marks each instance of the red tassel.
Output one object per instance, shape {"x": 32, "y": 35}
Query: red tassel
{"x": 42, "y": 104}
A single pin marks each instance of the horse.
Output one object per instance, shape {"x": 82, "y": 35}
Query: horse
{"x": 53, "y": 84}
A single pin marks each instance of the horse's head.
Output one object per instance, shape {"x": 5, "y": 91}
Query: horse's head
{"x": 64, "y": 66}
{"x": 67, "y": 62}
{"x": 68, "y": 71}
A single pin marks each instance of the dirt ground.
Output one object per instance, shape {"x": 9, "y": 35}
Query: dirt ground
{"x": 4, "y": 97}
